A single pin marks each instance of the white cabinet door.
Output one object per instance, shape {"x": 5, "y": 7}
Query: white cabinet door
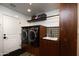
{"x": 11, "y": 28}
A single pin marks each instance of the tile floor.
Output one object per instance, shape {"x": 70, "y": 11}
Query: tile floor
{"x": 26, "y": 54}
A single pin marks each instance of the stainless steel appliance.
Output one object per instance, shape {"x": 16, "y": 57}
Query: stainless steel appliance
{"x": 30, "y": 35}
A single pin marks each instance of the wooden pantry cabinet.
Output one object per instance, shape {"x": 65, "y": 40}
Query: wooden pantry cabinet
{"x": 68, "y": 29}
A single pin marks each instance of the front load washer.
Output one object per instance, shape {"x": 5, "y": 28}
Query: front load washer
{"x": 24, "y": 35}
{"x": 33, "y": 36}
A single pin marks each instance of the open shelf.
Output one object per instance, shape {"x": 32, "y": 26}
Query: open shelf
{"x": 36, "y": 20}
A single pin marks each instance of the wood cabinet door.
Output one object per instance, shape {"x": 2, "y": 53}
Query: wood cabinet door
{"x": 43, "y": 48}
{"x": 49, "y": 48}
{"x": 68, "y": 29}
{"x": 53, "y": 48}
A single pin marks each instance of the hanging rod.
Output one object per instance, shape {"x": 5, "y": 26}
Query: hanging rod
{"x": 52, "y": 16}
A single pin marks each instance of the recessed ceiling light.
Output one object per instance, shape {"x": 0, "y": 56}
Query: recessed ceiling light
{"x": 29, "y": 10}
{"x": 16, "y": 16}
{"x": 30, "y": 3}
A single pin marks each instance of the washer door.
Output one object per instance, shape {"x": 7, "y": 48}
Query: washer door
{"x": 32, "y": 36}
{"x": 24, "y": 36}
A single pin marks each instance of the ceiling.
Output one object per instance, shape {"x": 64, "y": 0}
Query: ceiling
{"x": 35, "y": 7}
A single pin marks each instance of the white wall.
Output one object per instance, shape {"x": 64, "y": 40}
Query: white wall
{"x": 50, "y": 22}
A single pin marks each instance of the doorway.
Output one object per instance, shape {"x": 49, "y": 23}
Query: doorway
{"x": 9, "y": 34}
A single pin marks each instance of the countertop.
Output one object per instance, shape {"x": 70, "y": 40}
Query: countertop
{"x": 51, "y": 38}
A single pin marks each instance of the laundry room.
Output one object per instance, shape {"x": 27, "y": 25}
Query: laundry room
{"x": 37, "y": 29}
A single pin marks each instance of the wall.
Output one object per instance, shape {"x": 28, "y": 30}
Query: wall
{"x": 53, "y": 32}
{"x": 50, "y": 22}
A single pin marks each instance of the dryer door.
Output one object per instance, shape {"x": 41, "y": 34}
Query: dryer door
{"x": 31, "y": 36}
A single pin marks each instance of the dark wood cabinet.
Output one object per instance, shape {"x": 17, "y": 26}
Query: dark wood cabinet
{"x": 43, "y": 48}
{"x": 49, "y": 48}
{"x": 29, "y": 47}
{"x": 68, "y": 29}
{"x": 67, "y": 44}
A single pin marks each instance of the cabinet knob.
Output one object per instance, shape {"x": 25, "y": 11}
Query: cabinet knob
{"x": 5, "y": 37}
